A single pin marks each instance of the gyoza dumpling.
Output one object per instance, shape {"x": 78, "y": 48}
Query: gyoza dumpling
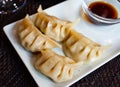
{"x": 32, "y": 39}
{"x": 52, "y": 26}
{"x": 80, "y": 48}
{"x": 58, "y": 68}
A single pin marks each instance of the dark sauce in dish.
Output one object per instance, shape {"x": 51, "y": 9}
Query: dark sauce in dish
{"x": 104, "y": 9}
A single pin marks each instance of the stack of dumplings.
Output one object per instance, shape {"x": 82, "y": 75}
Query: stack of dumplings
{"x": 47, "y": 32}
{"x": 58, "y": 68}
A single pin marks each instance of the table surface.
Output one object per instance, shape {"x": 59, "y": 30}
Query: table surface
{"x": 13, "y": 72}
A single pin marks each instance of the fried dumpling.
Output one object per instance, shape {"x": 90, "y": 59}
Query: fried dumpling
{"x": 80, "y": 48}
{"x": 52, "y": 26}
{"x": 32, "y": 39}
{"x": 58, "y": 68}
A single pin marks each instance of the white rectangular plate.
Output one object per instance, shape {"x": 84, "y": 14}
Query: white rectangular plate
{"x": 71, "y": 10}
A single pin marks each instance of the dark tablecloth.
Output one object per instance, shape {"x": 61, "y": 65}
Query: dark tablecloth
{"x": 13, "y": 73}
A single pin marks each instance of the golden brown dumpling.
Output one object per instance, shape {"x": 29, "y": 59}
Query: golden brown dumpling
{"x": 58, "y": 68}
{"x": 80, "y": 48}
{"x": 52, "y": 26}
{"x": 32, "y": 39}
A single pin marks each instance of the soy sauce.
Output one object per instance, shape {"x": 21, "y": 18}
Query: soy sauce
{"x": 104, "y": 9}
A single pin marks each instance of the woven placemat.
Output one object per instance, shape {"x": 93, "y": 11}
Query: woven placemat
{"x": 13, "y": 72}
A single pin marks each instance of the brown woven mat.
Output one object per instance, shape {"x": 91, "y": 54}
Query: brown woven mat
{"x": 13, "y": 72}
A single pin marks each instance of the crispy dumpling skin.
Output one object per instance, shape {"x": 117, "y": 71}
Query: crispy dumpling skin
{"x": 32, "y": 39}
{"x": 52, "y": 26}
{"x": 58, "y": 68}
{"x": 80, "y": 48}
